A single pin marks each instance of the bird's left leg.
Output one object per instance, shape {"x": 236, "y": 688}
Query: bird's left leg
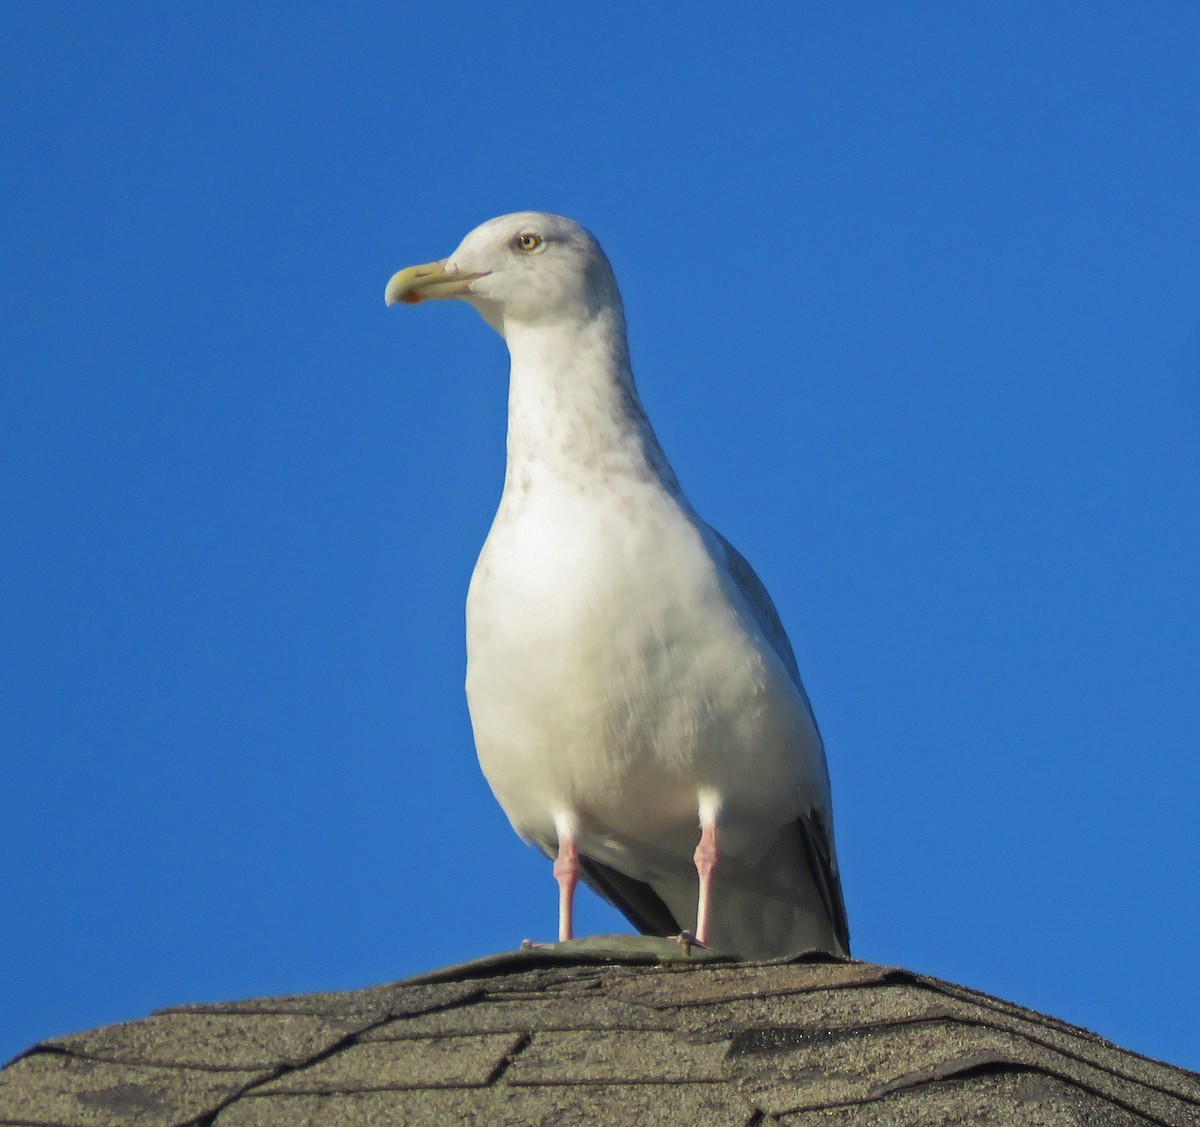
{"x": 566, "y": 872}
{"x": 705, "y": 858}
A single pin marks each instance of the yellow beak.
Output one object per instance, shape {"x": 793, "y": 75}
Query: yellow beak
{"x": 433, "y": 280}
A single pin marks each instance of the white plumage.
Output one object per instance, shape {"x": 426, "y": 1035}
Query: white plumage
{"x": 631, "y": 688}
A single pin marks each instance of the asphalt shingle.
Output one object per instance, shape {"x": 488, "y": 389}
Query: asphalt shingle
{"x": 617, "y": 1057}
{"x": 213, "y": 1040}
{"x": 582, "y": 1105}
{"x": 442, "y": 1062}
{"x": 54, "y": 1088}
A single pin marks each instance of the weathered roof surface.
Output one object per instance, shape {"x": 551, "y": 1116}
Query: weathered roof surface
{"x": 613, "y": 1030}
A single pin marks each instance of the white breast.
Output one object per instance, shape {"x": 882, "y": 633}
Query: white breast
{"x": 613, "y": 674}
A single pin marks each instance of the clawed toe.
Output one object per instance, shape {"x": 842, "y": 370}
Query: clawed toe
{"x": 687, "y": 941}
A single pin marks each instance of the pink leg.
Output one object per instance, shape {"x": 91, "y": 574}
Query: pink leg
{"x": 706, "y": 861}
{"x": 566, "y": 872}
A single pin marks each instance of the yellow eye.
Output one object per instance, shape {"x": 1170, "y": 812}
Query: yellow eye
{"x": 528, "y": 242}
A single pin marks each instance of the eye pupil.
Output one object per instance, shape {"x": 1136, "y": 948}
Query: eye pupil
{"x": 527, "y": 240}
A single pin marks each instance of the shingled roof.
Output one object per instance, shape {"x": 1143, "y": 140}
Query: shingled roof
{"x": 614, "y": 1030}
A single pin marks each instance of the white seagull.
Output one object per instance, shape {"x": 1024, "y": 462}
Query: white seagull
{"x": 631, "y": 687}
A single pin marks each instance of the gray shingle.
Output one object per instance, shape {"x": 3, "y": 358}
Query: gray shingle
{"x": 243, "y": 1040}
{"x": 375, "y": 1002}
{"x": 581, "y": 1105}
{"x": 441, "y": 1062}
{"x": 790, "y": 1070}
{"x": 1023, "y": 1099}
{"x": 55, "y": 1088}
{"x": 683, "y": 987}
{"x": 501, "y": 1014}
{"x": 617, "y": 1057}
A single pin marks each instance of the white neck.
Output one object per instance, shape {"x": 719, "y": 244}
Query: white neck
{"x": 573, "y": 409}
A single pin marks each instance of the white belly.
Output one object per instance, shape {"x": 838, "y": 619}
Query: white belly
{"x": 612, "y": 677}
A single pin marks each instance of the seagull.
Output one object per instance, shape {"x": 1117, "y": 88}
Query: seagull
{"x": 636, "y": 704}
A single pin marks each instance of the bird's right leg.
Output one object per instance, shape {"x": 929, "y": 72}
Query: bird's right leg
{"x": 566, "y": 872}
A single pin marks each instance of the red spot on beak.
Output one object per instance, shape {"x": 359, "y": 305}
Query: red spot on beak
{"x": 410, "y": 297}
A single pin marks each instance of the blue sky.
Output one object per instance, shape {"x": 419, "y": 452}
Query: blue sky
{"x": 914, "y": 297}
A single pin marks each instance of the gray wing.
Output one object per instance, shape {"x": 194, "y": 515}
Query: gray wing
{"x": 816, "y": 835}
{"x": 765, "y": 614}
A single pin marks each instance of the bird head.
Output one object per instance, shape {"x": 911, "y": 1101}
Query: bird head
{"x": 525, "y": 269}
